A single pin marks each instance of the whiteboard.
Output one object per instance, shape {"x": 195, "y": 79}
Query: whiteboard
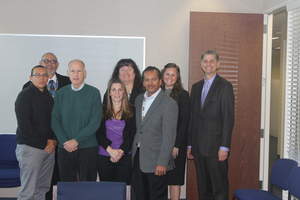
{"x": 19, "y": 53}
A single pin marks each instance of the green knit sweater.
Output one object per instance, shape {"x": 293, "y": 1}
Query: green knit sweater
{"x": 77, "y": 115}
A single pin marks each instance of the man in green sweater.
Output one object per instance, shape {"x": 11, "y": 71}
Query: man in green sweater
{"x": 76, "y": 116}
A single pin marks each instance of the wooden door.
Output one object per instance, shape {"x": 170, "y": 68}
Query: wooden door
{"x": 238, "y": 38}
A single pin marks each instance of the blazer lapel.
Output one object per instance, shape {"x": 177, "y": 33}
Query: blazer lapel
{"x": 139, "y": 111}
{"x": 211, "y": 90}
{"x": 153, "y": 106}
{"x": 199, "y": 95}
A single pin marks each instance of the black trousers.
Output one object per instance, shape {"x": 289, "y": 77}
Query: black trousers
{"x": 147, "y": 186}
{"x": 116, "y": 172}
{"x": 212, "y": 176}
{"x": 80, "y": 165}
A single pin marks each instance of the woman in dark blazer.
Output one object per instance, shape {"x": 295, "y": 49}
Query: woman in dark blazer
{"x": 115, "y": 135}
{"x": 173, "y": 86}
{"x": 128, "y": 72}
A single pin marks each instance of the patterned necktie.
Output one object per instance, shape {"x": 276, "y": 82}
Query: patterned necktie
{"x": 204, "y": 92}
{"x": 51, "y": 87}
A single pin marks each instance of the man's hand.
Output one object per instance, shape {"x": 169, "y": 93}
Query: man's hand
{"x": 50, "y": 147}
{"x": 160, "y": 170}
{"x": 222, "y": 155}
{"x": 175, "y": 152}
{"x": 189, "y": 154}
{"x": 71, "y": 145}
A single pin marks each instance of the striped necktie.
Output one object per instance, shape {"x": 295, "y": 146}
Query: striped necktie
{"x": 51, "y": 87}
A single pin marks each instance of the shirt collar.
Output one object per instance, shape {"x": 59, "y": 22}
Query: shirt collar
{"x": 54, "y": 78}
{"x": 77, "y": 89}
{"x": 152, "y": 96}
{"x": 209, "y": 81}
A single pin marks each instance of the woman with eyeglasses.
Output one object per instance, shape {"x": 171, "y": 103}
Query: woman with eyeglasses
{"x": 116, "y": 134}
{"x": 128, "y": 72}
{"x": 173, "y": 87}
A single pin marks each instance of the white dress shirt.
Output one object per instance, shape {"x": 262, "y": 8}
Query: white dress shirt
{"x": 147, "y": 102}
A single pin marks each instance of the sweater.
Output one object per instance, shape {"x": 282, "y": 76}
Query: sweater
{"x": 77, "y": 115}
{"x": 33, "y": 111}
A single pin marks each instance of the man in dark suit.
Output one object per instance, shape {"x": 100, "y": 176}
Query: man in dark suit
{"x": 51, "y": 63}
{"x": 156, "y": 123}
{"x": 55, "y": 82}
{"x": 211, "y": 125}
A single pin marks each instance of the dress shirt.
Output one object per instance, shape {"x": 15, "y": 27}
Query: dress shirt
{"x": 54, "y": 78}
{"x": 206, "y": 86}
{"x": 147, "y": 102}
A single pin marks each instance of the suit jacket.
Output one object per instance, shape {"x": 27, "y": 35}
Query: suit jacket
{"x": 62, "y": 81}
{"x": 211, "y": 125}
{"x": 156, "y": 132}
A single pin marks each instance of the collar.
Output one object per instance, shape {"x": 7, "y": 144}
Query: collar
{"x": 54, "y": 78}
{"x": 209, "y": 81}
{"x": 77, "y": 89}
{"x": 146, "y": 98}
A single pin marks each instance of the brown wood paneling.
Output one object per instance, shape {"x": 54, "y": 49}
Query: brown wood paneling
{"x": 238, "y": 38}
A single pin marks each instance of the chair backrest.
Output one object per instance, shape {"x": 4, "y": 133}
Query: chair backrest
{"x": 294, "y": 182}
{"x": 7, "y": 151}
{"x": 280, "y": 172}
{"x": 91, "y": 191}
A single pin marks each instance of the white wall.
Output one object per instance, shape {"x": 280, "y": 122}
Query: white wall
{"x": 164, "y": 23}
{"x": 270, "y": 5}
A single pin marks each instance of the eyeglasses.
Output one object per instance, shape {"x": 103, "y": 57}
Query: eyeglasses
{"x": 40, "y": 75}
{"x": 47, "y": 61}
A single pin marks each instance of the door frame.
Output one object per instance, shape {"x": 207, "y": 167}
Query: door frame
{"x": 265, "y": 101}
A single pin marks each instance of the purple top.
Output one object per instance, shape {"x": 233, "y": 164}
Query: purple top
{"x": 114, "y": 132}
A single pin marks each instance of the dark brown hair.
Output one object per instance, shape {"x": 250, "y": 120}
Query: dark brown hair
{"x": 126, "y": 110}
{"x": 178, "y": 84}
{"x": 130, "y": 63}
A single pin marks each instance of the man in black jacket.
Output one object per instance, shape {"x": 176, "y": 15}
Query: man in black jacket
{"x": 211, "y": 125}
{"x": 55, "y": 82}
{"x": 35, "y": 140}
{"x": 49, "y": 60}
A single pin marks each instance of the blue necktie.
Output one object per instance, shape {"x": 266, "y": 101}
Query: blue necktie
{"x": 51, "y": 87}
{"x": 204, "y": 92}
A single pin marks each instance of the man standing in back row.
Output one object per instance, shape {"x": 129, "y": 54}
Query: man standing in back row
{"x": 211, "y": 125}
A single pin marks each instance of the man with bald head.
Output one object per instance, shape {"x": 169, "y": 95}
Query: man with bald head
{"x": 56, "y": 81}
{"x": 76, "y": 116}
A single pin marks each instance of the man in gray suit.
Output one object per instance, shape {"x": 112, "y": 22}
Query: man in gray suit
{"x": 156, "y": 122}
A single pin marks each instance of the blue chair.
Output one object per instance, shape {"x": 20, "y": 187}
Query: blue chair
{"x": 294, "y": 183}
{"x": 280, "y": 173}
{"x": 9, "y": 167}
{"x": 91, "y": 191}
